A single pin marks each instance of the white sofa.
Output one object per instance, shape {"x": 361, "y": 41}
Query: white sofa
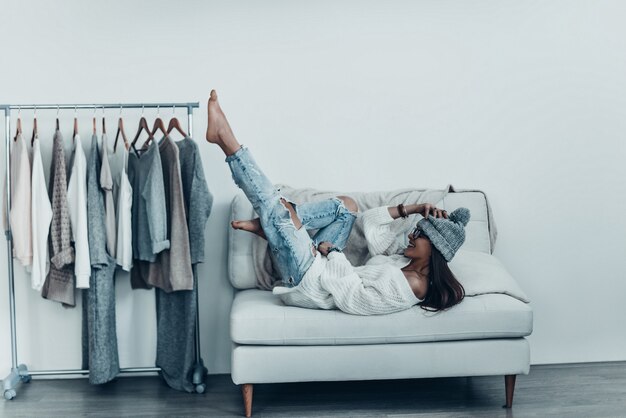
{"x": 483, "y": 335}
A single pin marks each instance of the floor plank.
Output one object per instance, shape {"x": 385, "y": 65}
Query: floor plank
{"x": 570, "y": 390}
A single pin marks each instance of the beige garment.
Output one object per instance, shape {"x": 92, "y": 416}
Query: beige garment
{"x": 106, "y": 184}
{"x": 172, "y": 269}
{"x": 20, "y": 216}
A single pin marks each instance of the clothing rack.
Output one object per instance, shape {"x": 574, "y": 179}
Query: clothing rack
{"x": 20, "y": 373}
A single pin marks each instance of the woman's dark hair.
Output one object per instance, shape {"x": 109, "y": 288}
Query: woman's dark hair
{"x": 444, "y": 290}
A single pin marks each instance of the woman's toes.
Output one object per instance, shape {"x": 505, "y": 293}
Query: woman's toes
{"x": 245, "y": 225}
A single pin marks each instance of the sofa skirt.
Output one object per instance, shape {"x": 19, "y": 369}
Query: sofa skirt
{"x": 278, "y": 364}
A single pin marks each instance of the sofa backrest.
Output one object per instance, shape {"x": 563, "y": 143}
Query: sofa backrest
{"x": 240, "y": 264}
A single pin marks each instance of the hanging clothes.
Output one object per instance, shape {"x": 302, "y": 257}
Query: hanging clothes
{"x": 198, "y": 198}
{"x": 149, "y": 214}
{"x": 171, "y": 271}
{"x": 20, "y": 202}
{"x": 100, "y": 354}
{"x": 59, "y": 284}
{"x": 77, "y": 202}
{"x": 41, "y": 216}
{"x": 106, "y": 183}
{"x": 176, "y": 330}
{"x": 124, "y": 247}
{"x": 177, "y": 311}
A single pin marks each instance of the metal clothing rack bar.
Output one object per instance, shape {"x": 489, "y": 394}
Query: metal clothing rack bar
{"x": 20, "y": 373}
{"x": 86, "y": 372}
{"x": 189, "y": 105}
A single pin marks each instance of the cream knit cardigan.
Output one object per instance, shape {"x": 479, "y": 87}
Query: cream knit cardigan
{"x": 378, "y": 287}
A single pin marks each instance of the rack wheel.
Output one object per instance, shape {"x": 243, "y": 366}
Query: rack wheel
{"x": 9, "y": 394}
{"x": 26, "y": 379}
{"x": 200, "y": 388}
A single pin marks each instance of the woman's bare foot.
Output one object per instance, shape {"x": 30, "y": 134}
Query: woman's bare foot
{"x": 218, "y": 130}
{"x": 253, "y": 225}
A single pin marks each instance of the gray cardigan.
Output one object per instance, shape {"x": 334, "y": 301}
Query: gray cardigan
{"x": 59, "y": 284}
{"x": 198, "y": 198}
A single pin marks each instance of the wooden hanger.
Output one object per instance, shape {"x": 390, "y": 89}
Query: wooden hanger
{"x": 94, "y": 120}
{"x": 104, "y": 128}
{"x": 143, "y": 126}
{"x": 175, "y": 124}
{"x": 35, "y": 133}
{"x": 75, "y": 126}
{"x": 57, "y": 117}
{"x": 18, "y": 130}
{"x": 158, "y": 125}
{"x": 120, "y": 129}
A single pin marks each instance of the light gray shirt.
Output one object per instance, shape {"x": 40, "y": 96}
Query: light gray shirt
{"x": 106, "y": 183}
{"x": 149, "y": 213}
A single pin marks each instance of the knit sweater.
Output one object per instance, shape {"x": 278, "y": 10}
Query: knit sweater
{"x": 198, "y": 198}
{"x": 59, "y": 284}
{"x": 378, "y": 287}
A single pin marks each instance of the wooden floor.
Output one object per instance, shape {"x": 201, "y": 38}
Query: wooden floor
{"x": 574, "y": 390}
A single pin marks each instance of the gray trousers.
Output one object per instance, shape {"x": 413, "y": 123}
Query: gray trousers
{"x": 100, "y": 353}
{"x": 176, "y": 328}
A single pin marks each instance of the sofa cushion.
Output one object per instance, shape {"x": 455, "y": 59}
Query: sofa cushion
{"x": 481, "y": 273}
{"x": 260, "y": 318}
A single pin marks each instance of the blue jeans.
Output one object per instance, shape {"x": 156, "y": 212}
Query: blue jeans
{"x": 292, "y": 249}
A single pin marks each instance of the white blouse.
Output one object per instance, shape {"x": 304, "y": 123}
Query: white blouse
{"x": 41, "y": 216}
{"x": 77, "y": 203}
{"x": 124, "y": 250}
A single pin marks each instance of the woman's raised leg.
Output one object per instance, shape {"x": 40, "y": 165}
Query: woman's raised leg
{"x": 290, "y": 244}
{"x": 245, "y": 171}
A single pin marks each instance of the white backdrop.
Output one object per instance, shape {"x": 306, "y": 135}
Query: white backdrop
{"x": 525, "y": 100}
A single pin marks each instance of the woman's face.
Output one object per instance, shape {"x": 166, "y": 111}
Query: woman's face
{"x": 419, "y": 246}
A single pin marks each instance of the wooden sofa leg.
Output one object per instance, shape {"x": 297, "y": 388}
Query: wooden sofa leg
{"x": 246, "y": 391}
{"x": 509, "y": 385}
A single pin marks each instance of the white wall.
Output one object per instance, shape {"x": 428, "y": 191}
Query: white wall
{"x": 525, "y": 100}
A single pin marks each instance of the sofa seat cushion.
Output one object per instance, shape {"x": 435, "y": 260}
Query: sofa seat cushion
{"x": 259, "y": 317}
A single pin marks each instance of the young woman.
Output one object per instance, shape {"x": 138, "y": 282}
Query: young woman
{"x": 315, "y": 273}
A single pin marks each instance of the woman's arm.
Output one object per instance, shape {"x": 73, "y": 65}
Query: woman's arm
{"x": 380, "y": 236}
{"x": 423, "y": 209}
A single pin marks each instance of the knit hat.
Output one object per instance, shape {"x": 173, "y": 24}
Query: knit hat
{"x": 447, "y": 235}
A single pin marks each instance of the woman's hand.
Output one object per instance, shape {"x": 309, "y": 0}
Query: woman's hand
{"x": 323, "y": 247}
{"x": 326, "y": 248}
{"x": 426, "y": 209}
